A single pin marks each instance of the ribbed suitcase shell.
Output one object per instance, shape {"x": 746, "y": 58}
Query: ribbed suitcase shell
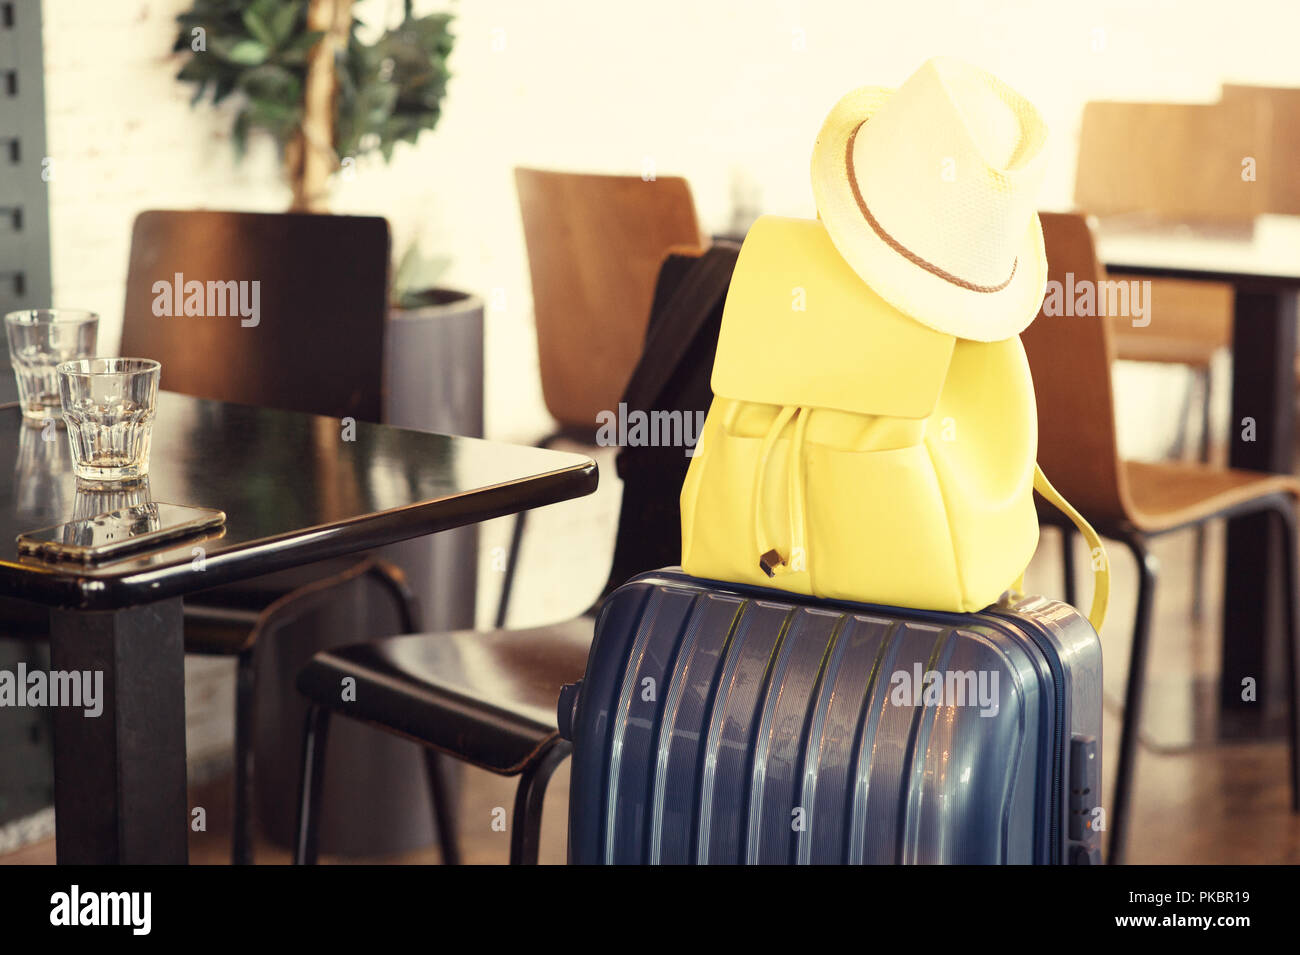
{"x": 718, "y": 723}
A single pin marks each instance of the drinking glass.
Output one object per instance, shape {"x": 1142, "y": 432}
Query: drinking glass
{"x": 39, "y": 340}
{"x": 109, "y": 406}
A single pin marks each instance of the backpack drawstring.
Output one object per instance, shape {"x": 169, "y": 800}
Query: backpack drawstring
{"x": 770, "y": 559}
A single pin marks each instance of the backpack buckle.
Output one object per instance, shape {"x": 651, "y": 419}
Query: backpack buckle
{"x": 770, "y": 561}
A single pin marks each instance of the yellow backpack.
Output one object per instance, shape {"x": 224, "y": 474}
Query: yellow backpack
{"x": 855, "y": 454}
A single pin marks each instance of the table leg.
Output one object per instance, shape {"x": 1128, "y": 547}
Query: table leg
{"x": 1264, "y": 390}
{"x": 119, "y": 777}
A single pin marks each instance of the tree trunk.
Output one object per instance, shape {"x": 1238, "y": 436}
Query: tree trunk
{"x": 310, "y": 158}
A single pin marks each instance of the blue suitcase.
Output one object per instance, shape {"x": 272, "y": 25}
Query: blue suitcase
{"x": 718, "y": 723}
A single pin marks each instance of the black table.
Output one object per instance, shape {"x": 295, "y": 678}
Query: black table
{"x": 1263, "y": 266}
{"x": 296, "y": 489}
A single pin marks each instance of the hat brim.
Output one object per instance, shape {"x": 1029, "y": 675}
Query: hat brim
{"x": 935, "y": 301}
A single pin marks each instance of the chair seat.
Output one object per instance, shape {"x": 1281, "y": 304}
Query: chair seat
{"x": 1169, "y": 495}
{"x": 486, "y": 697}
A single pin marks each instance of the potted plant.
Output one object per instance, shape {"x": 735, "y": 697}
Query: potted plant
{"x": 308, "y": 80}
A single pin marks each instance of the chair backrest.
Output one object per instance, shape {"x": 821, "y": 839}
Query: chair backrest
{"x": 1178, "y": 310}
{"x": 1276, "y": 168}
{"x": 1134, "y": 159}
{"x": 315, "y": 341}
{"x": 595, "y": 244}
{"x": 1070, "y": 358}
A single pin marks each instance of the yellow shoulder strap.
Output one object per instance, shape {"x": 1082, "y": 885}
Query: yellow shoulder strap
{"x": 1100, "y": 563}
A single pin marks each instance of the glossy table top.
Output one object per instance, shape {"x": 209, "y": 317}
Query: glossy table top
{"x": 294, "y": 490}
{"x": 1266, "y": 249}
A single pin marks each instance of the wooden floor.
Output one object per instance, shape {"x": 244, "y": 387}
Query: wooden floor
{"x": 1207, "y": 804}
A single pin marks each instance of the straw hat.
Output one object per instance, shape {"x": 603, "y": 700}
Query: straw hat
{"x": 929, "y": 193}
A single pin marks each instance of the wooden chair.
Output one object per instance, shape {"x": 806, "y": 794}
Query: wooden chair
{"x": 1275, "y": 167}
{"x": 595, "y": 244}
{"x": 315, "y": 345}
{"x": 1134, "y": 161}
{"x": 1128, "y": 501}
{"x": 322, "y": 280}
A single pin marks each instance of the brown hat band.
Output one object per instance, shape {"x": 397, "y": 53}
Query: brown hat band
{"x": 898, "y": 246}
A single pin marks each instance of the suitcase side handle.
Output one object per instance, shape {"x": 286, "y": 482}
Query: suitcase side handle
{"x": 566, "y": 709}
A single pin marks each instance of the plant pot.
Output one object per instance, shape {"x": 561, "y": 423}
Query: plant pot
{"x": 433, "y": 367}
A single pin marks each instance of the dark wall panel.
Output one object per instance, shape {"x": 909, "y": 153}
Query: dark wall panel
{"x": 24, "y": 204}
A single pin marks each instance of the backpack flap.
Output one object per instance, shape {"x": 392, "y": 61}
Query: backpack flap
{"x": 800, "y": 328}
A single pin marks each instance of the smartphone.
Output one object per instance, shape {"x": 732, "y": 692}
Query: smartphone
{"x": 122, "y": 533}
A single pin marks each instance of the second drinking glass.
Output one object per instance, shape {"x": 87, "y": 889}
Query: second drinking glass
{"x": 39, "y": 340}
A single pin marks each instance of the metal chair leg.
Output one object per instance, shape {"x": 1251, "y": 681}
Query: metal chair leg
{"x": 1132, "y": 718}
{"x": 1207, "y": 393}
{"x": 1067, "y": 564}
{"x": 1198, "y": 554}
{"x": 441, "y": 787}
{"x": 444, "y": 813}
{"x": 526, "y": 829}
{"x": 241, "y": 849}
{"x": 1184, "y": 421}
{"x": 306, "y": 840}
{"x": 1287, "y": 522}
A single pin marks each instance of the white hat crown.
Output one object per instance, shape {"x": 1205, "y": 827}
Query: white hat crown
{"x": 947, "y": 172}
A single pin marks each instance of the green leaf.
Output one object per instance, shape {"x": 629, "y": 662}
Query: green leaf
{"x": 265, "y": 9}
{"x": 277, "y": 118}
{"x": 272, "y": 82}
{"x": 259, "y": 29}
{"x": 244, "y": 52}
{"x": 196, "y": 69}
{"x": 224, "y": 87}
{"x": 283, "y": 21}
